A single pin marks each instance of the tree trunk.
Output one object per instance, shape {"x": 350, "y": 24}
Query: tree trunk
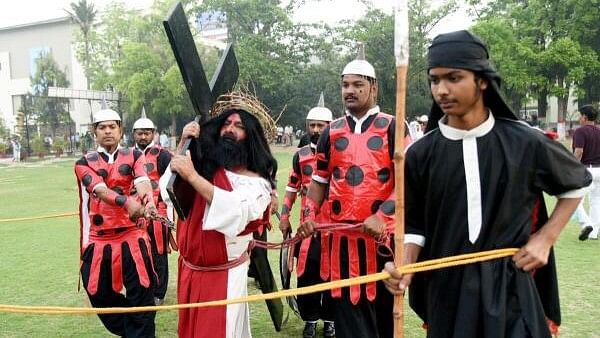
{"x": 542, "y": 103}
{"x": 562, "y": 107}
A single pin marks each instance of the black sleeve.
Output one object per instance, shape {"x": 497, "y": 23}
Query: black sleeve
{"x": 136, "y": 154}
{"x": 392, "y": 137}
{"x": 296, "y": 164}
{"x": 163, "y": 160}
{"x": 414, "y": 199}
{"x": 323, "y": 144}
{"x": 558, "y": 171}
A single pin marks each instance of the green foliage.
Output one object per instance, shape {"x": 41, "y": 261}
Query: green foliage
{"x": 422, "y": 20}
{"x": 285, "y": 64}
{"x": 50, "y": 112}
{"x": 38, "y": 146}
{"x": 84, "y": 14}
{"x": 545, "y": 47}
{"x": 58, "y": 146}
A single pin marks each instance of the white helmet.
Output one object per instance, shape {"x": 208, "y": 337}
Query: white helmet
{"x": 423, "y": 118}
{"x": 143, "y": 122}
{"x": 320, "y": 113}
{"x": 360, "y": 66}
{"x": 106, "y": 115}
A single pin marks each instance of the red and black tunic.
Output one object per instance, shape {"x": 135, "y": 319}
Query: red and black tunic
{"x": 108, "y": 224}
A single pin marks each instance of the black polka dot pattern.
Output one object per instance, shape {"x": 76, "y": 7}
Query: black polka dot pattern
{"x": 81, "y": 161}
{"x": 103, "y": 173}
{"x": 293, "y": 179}
{"x": 125, "y": 151}
{"x": 307, "y": 170}
{"x": 149, "y": 167}
{"x": 337, "y": 173}
{"x": 383, "y": 175}
{"x": 336, "y": 207}
{"x": 154, "y": 151}
{"x": 154, "y": 185}
{"x": 120, "y": 200}
{"x": 388, "y": 207}
{"x": 285, "y": 210}
{"x": 305, "y": 151}
{"x": 341, "y": 144}
{"x": 125, "y": 169}
{"x": 92, "y": 157}
{"x": 118, "y": 190}
{"x": 374, "y": 143}
{"x": 354, "y": 176}
{"x": 97, "y": 219}
{"x": 322, "y": 165}
{"x": 375, "y": 206}
{"x": 338, "y": 124}
{"x": 87, "y": 180}
{"x": 380, "y": 122}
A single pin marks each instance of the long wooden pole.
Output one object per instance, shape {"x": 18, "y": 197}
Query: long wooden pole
{"x": 401, "y": 50}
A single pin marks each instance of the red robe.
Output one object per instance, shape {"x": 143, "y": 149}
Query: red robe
{"x": 202, "y": 247}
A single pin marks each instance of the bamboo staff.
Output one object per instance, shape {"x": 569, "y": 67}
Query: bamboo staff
{"x": 401, "y": 54}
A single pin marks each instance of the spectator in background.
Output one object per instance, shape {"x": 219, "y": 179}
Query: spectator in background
{"x": 586, "y": 147}
{"x": 16, "y": 148}
{"x": 164, "y": 140}
{"x": 279, "y": 135}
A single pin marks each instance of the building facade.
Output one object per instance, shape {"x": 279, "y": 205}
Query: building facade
{"x": 20, "y": 46}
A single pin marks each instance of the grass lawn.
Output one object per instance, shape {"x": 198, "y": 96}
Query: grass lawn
{"x": 39, "y": 264}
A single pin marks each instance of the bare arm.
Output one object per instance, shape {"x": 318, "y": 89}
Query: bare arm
{"x": 182, "y": 164}
{"x": 316, "y": 192}
{"x": 578, "y": 153}
{"x": 535, "y": 253}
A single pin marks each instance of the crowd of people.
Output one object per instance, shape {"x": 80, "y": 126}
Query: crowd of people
{"x": 474, "y": 180}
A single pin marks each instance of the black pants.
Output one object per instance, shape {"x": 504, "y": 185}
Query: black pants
{"x": 139, "y": 324}
{"x": 314, "y": 306}
{"x": 161, "y": 261}
{"x": 366, "y": 319}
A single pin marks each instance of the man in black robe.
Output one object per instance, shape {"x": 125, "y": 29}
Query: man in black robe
{"x": 474, "y": 183}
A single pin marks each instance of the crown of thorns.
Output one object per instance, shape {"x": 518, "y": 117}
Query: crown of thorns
{"x": 248, "y": 103}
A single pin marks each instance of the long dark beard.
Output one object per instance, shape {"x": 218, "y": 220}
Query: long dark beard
{"x": 314, "y": 138}
{"x": 230, "y": 153}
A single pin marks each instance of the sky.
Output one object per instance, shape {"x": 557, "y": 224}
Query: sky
{"x": 16, "y": 12}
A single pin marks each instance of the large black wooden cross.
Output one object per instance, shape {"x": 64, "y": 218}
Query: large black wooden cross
{"x": 202, "y": 94}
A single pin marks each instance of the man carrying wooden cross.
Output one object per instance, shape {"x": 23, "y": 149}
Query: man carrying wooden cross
{"x": 232, "y": 193}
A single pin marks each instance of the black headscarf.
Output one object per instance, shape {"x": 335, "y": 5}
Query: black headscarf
{"x": 463, "y": 50}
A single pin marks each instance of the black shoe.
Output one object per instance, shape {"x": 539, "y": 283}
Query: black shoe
{"x": 585, "y": 232}
{"x": 310, "y": 330}
{"x": 328, "y": 329}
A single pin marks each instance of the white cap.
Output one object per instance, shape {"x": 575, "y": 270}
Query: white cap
{"x": 320, "y": 113}
{"x": 423, "y": 118}
{"x": 360, "y": 66}
{"x": 106, "y": 115}
{"x": 143, "y": 122}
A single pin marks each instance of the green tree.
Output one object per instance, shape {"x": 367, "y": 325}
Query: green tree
{"x": 376, "y": 29}
{"x": 550, "y": 41}
{"x": 49, "y": 111}
{"x": 84, "y": 15}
